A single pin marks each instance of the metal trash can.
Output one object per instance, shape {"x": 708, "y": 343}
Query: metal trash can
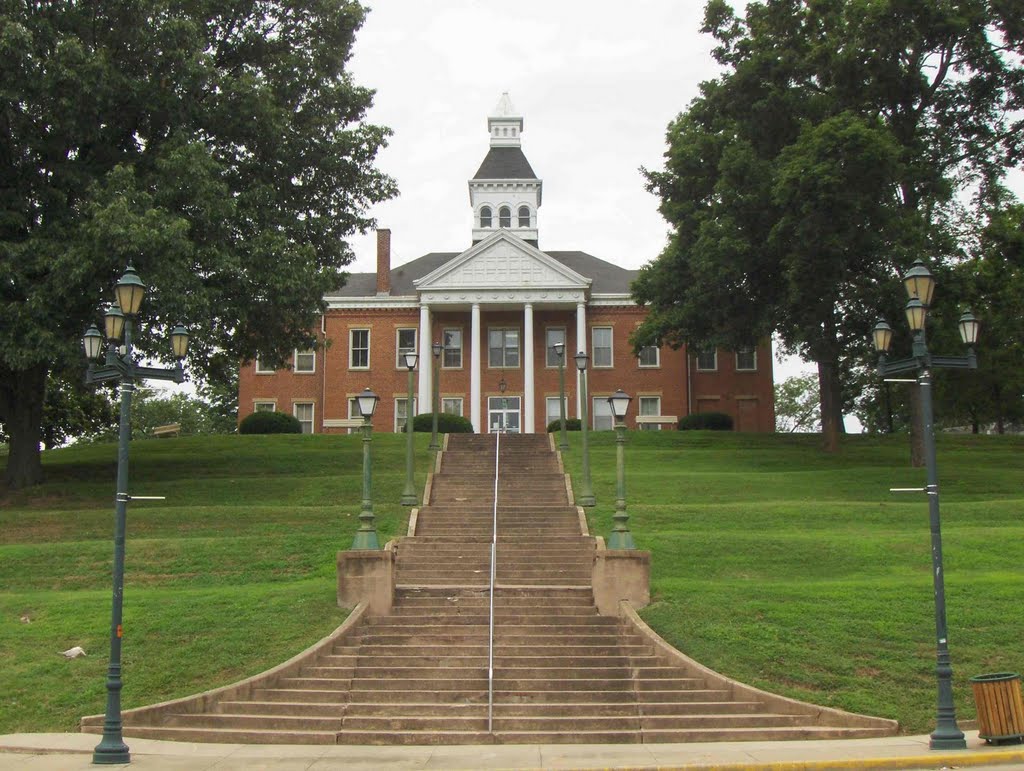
{"x": 1000, "y": 707}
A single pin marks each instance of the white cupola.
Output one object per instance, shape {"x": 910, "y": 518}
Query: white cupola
{"x": 505, "y": 193}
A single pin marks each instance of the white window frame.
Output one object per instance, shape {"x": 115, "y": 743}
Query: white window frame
{"x": 606, "y": 412}
{"x": 753, "y": 353}
{"x": 640, "y": 399}
{"x": 519, "y": 216}
{"x": 548, "y": 417}
{"x": 657, "y": 357}
{"x": 403, "y": 400}
{"x": 714, "y": 354}
{"x": 295, "y": 361}
{"x": 262, "y": 369}
{"x": 447, "y": 348}
{"x": 352, "y": 349}
{"x": 451, "y": 400}
{"x": 260, "y": 405}
{"x": 504, "y": 216}
{"x": 504, "y": 348}
{"x": 489, "y": 222}
{"x": 550, "y": 359}
{"x": 312, "y": 415}
{"x": 399, "y": 350}
{"x": 610, "y": 347}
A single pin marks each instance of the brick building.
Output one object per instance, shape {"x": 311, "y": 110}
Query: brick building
{"x": 498, "y": 307}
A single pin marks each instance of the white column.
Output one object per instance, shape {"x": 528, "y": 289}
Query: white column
{"x": 528, "y": 427}
{"x": 581, "y": 345}
{"x": 425, "y": 363}
{"x": 474, "y": 370}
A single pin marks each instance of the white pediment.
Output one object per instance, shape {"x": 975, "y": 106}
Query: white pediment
{"x": 502, "y": 261}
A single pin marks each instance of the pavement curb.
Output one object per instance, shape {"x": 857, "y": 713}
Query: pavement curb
{"x": 906, "y": 761}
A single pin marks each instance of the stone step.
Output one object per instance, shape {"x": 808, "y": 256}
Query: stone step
{"x": 227, "y": 735}
{"x": 413, "y": 697}
{"x": 299, "y": 695}
{"x": 289, "y": 708}
{"x": 289, "y": 723}
{"x": 409, "y": 684}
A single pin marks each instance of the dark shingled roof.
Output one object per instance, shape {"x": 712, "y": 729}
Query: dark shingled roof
{"x": 607, "y": 277}
{"x": 505, "y": 163}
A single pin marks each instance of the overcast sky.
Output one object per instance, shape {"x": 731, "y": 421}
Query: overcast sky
{"x": 596, "y": 82}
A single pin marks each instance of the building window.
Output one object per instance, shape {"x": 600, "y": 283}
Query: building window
{"x": 305, "y": 361}
{"x": 602, "y": 414}
{"x": 503, "y": 347}
{"x": 707, "y": 361}
{"x": 401, "y": 413}
{"x": 602, "y": 346}
{"x": 485, "y": 217}
{"x": 264, "y": 406}
{"x": 524, "y": 216}
{"x": 746, "y": 359}
{"x": 554, "y": 335}
{"x": 650, "y": 356}
{"x": 405, "y": 341}
{"x": 452, "y": 357}
{"x": 359, "y": 349}
{"x": 263, "y": 369}
{"x": 649, "y": 405}
{"x": 303, "y": 411}
{"x": 452, "y": 405}
{"x": 551, "y": 411}
{"x": 504, "y": 217}
{"x": 353, "y": 412}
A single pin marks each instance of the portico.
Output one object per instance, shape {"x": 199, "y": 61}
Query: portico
{"x": 500, "y": 277}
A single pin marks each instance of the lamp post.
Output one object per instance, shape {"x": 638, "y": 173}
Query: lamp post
{"x": 620, "y": 538}
{"x": 586, "y": 488}
{"x": 920, "y": 284}
{"x": 366, "y": 535}
{"x": 117, "y": 323}
{"x": 409, "y": 497}
{"x": 436, "y": 349}
{"x": 559, "y": 348}
{"x": 502, "y": 387}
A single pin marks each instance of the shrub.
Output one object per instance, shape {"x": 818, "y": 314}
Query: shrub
{"x": 446, "y": 423}
{"x": 571, "y": 424}
{"x": 706, "y": 421}
{"x": 270, "y": 423}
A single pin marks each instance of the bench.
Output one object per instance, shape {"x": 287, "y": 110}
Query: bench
{"x": 344, "y": 423}
{"x": 164, "y": 432}
{"x": 657, "y": 419}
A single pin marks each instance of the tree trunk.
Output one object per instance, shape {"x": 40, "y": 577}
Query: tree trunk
{"x": 21, "y": 405}
{"x": 831, "y": 405}
{"x": 916, "y": 428}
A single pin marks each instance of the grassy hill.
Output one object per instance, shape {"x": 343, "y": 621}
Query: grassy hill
{"x": 771, "y": 562}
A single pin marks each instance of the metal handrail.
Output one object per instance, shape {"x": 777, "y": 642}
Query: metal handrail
{"x": 494, "y": 550}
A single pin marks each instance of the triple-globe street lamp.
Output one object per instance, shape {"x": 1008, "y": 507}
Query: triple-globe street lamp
{"x": 586, "y": 487}
{"x": 409, "y": 497}
{"x": 366, "y": 535}
{"x": 119, "y": 364}
{"x": 920, "y": 284}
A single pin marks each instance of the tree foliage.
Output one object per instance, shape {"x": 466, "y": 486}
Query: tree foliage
{"x": 221, "y": 147}
{"x": 828, "y": 156}
{"x": 797, "y": 404}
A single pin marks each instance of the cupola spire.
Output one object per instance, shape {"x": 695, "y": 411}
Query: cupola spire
{"x": 505, "y": 124}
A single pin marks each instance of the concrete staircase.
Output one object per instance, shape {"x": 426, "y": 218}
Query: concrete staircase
{"x": 562, "y": 672}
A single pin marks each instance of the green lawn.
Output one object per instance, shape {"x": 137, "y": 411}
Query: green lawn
{"x": 232, "y": 574}
{"x": 801, "y": 573}
{"x": 776, "y": 564}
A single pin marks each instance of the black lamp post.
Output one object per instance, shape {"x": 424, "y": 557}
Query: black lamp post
{"x": 559, "y": 349}
{"x": 409, "y": 497}
{"x": 436, "y": 349}
{"x": 117, "y": 323}
{"x": 586, "y": 487}
{"x": 366, "y": 535}
{"x": 620, "y": 538}
{"x": 920, "y": 284}
{"x": 502, "y": 387}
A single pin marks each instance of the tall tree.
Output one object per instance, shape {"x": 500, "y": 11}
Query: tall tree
{"x": 221, "y": 147}
{"x": 823, "y": 161}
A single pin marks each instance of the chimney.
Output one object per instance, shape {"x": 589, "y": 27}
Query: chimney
{"x": 383, "y": 261}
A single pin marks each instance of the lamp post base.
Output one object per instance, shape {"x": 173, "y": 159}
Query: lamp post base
{"x": 365, "y": 540}
{"x": 409, "y": 499}
{"x": 952, "y": 741}
{"x": 586, "y": 500}
{"x": 111, "y": 753}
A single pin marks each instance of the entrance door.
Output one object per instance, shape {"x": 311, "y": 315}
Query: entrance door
{"x": 503, "y": 414}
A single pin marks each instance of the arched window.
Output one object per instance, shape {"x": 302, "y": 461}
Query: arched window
{"x": 524, "y": 216}
{"x": 504, "y": 217}
{"x": 485, "y": 217}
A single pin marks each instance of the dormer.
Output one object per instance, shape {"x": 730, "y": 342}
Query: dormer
{"x": 505, "y": 194}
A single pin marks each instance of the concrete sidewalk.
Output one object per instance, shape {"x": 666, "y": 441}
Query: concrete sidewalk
{"x": 64, "y": 752}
